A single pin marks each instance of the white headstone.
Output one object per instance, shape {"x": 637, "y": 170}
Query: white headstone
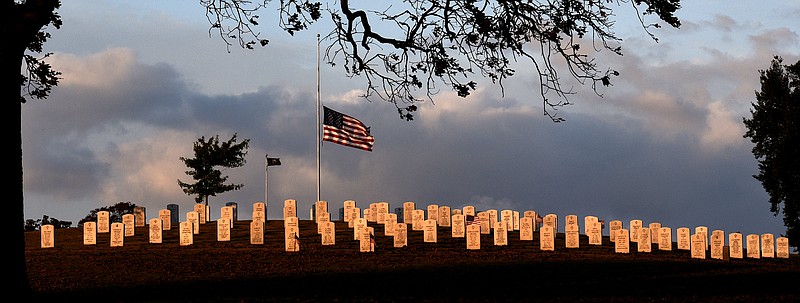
{"x": 226, "y": 212}
{"x": 469, "y": 210}
{"x": 355, "y": 214}
{"x": 699, "y": 246}
{"x": 367, "y": 240}
{"x": 547, "y": 238}
{"x": 507, "y": 217}
{"x": 595, "y": 233}
{"x": 186, "y": 230}
{"x": 457, "y": 227}
{"x": 433, "y": 212}
{"x": 289, "y": 208}
{"x": 418, "y": 220}
{"x": 224, "y": 229}
{"x": 48, "y": 236}
{"x": 493, "y": 217}
{"x": 703, "y": 230}
{"x": 767, "y": 246}
{"x": 328, "y": 233}
{"x": 130, "y": 228}
{"x": 572, "y": 234}
{"x": 390, "y": 225}
{"x": 622, "y": 241}
{"x": 166, "y": 219}
{"x": 430, "y": 230}
{"x": 259, "y": 211}
{"x": 717, "y": 244}
{"x": 103, "y": 221}
{"x": 321, "y": 219}
{"x": 473, "y": 237}
{"x": 586, "y": 223}
{"x": 782, "y": 250}
{"x": 89, "y": 233}
{"x": 684, "y": 238}
{"x": 408, "y": 212}
{"x": 571, "y": 220}
{"x": 526, "y": 229}
{"x": 257, "y": 232}
{"x": 349, "y": 207}
{"x": 444, "y": 216}
{"x": 655, "y": 230}
{"x": 140, "y": 216}
{"x": 501, "y": 234}
{"x": 291, "y": 234}
{"x": 636, "y": 225}
{"x": 665, "y": 238}
{"x": 156, "y": 230}
{"x": 358, "y": 225}
{"x": 401, "y": 235}
{"x": 485, "y": 222}
{"x": 382, "y": 209}
{"x": 202, "y": 215}
{"x": 613, "y": 227}
{"x": 117, "y": 234}
{"x": 736, "y": 245}
{"x": 320, "y": 207}
{"x": 753, "y": 246}
{"x": 516, "y": 219}
{"x": 552, "y": 221}
{"x": 192, "y": 217}
{"x": 644, "y": 244}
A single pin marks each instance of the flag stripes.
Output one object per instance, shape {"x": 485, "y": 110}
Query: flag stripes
{"x": 345, "y": 130}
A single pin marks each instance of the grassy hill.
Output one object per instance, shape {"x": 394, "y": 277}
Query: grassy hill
{"x": 237, "y": 271}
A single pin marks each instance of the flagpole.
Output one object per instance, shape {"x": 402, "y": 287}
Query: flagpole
{"x": 266, "y": 184}
{"x": 318, "y": 142}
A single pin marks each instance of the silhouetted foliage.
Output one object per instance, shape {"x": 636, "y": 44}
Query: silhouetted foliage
{"x": 32, "y": 225}
{"x": 432, "y": 45}
{"x": 775, "y": 129}
{"x": 115, "y": 212}
{"x": 208, "y": 157}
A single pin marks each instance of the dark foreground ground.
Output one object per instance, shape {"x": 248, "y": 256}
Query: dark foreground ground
{"x": 237, "y": 271}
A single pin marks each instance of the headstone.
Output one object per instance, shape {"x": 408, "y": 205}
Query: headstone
{"x": 358, "y": 225}
{"x": 349, "y": 207}
{"x": 501, "y": 234}
{"x": 698, "y": 246}
{"x": 526, "y": 229}
{"x": 234, "y": 211}
{"x": 186, "y": 230}
{"x": 259, "y": 212}
{"x": 117, "y": 234}
{"x": 547, "y": 238}
{"x": 586, "y": 223}
{"x": 430, "y": 230}
{"x": 767, "y": 246}
{"x": 702, "y": 230}
{"x": 493, "y": 217}
{"x": 457, "y": 228}
{"x": 507, "y": 217}
{"x": 485, "y": 222}
{"x": 473, "y": 237}
{"x": 622, "y": 241}
{"x": 366, "y": 240}
{"x": 552, "y": 221}
{"x": 390, "y": 226}
{"x": 355, "y": 214}
{"x": 139, "y": 215}
{"x": 717, "y": 244}
{"x": 736, "y": 245}
{"x": 613, "y": 227}
{"x": 89, "y": 233}
{"x": 572, "y": 234}
{"x": 156, "y": 230}
{"x": 433, "y": 212}
{"x": 684, "y": 239}
{"x": 320, "y": 207}
{"x": 444, "y": 216}
{"x": 655, "y": 230}
{"x": 595, "y": 233}
{"x": 665, "y": 238}
{"x": 202, "y": 214}
{"x": 408, "y": 212}
{"x": 291, "y": 235}
{"x": 103, "y": 222}
{"x": 174, "y": 215}
{"x": 644, "y": 244}
{"x": 226, "y": 212}
{"x": 516, "y": 220}
{"x": 753, "y": 246}
{"x": 534, "y": 218}
{"x": 289, "y": 208}
{"x": 193, "y": 218}
{"x": 469, "y": 210}
{"x": 328, "y": 233}
{"x": 224, "y": 229}
{"x": 130, "y": 228}
{"x": 257, "y": 232}
{"x": 166, "y": 218}
{"x": 782, "y": 250}
{"x": 48, "y": 236}
{"x": 636, "y": 225}
{"x": 571, "y": 220}
{"x": 418, "y": 220}
{"x": 382, "y": 211}
{"x": 456, "y": 211}
{"x": 322, "y": 218}
{"x": 401, "y": 235}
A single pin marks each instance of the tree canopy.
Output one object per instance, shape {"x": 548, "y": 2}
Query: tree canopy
{"x": 209, "y": 156}
{"x": 774, "y": 128}
{"x": 411, "y": 50}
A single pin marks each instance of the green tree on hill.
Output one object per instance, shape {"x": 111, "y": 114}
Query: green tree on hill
{"x": 775, "y": 129}
{"x": 209, "y": 155}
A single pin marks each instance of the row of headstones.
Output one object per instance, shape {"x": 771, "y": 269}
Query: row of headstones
{"x": 437, "y": 216}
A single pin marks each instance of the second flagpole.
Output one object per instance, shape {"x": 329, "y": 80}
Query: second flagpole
{"x": 318, "y": 128}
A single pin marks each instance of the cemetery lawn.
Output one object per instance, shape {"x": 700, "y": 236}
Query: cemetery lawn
{"x": 237, "y": 271}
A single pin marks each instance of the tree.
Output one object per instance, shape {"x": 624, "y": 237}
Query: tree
{"x": 115, "y": 212}
{"x": 32, "y": 225}
{"x": 22, "y": 25}
{"x": 434, "y": 45}
{"x": 774, "y": 128}
{"x": 208, "y": 155}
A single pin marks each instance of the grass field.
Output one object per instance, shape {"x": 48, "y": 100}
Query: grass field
{"x": 237, "y": 271}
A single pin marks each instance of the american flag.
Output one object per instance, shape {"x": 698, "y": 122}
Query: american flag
{"x": 345, "y": 130}
{"x": 472, "y": 219}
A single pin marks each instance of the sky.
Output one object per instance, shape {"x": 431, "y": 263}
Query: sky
{"x": 143, "y": 80}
